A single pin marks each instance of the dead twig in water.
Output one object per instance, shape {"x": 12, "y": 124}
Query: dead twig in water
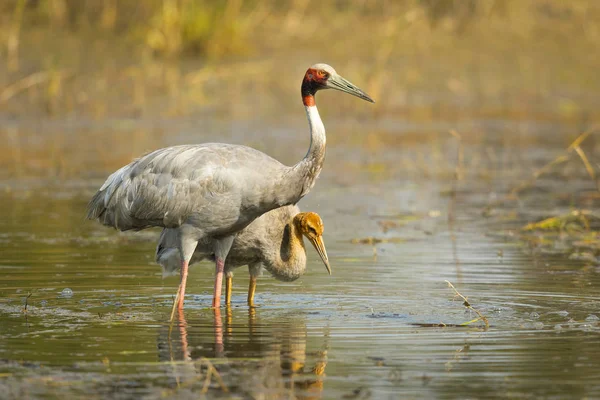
{"x": 574, "y": 146}
{"x": 466, "y": 303}
{"x": 563, "y": 158}
{"x": 211, "y": 370}
{"x": 536, "y": 174}
{"x": 26, "y": 302}
{"x": 588, "y": 166}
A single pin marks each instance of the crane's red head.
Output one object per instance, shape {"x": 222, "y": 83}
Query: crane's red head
{"x": 323, "y": 76}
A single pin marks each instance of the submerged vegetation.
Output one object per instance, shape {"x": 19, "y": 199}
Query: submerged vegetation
{"x": 480, "y": 316}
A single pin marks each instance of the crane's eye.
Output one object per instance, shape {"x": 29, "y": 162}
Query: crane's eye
{"x": 312, "y": 230}
{"x": 324, "y": 74}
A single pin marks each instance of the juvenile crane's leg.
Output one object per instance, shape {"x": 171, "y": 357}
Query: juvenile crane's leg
{"x": 228, "y": 288}
{"x": 251, "y": 290}
{"x": 222, "y": 247}
{"x": 254, "y": 270}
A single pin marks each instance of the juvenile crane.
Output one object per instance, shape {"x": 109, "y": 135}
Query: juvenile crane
{"x": 273, "y": 241}
{"x": 214, "y": 190}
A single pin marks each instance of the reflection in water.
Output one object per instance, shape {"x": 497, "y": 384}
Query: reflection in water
{"x": 253, "y": 358}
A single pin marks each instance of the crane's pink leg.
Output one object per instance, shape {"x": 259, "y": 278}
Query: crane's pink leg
{"x": 184, "y": 274}
{"x": 220, "y": 268}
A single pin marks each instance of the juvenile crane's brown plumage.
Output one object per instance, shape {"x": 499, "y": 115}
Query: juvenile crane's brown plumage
{"x": 209, "y": 192}
{"x": 273, "y": 241}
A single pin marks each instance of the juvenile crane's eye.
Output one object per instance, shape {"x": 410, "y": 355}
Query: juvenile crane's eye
{"x": 312, "y": 230}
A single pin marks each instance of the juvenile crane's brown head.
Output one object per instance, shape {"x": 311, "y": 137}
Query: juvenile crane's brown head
{"x": 323, "y": 76}
{"x": 310, "y": 225}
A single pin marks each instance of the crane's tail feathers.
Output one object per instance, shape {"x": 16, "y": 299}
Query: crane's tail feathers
{"x": 108, "y": 214}
{"x": 96, "y": 207}
{"x": 106, "y": 207}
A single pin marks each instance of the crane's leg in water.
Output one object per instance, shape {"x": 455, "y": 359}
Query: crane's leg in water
{"x": 228, "y": 288}
{"x": 254, "y": 270}
{"x": 222, "y": 247}
{"x": 251, "y": 290}
{"x": 187, "y": 247}
{"x": 182, "y": 284}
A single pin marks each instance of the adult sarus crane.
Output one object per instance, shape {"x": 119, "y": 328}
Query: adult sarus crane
{"x": 273, "y": 241}
{"x": 214, "y": 190}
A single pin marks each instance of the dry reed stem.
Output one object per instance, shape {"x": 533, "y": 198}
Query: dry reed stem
{"x": 536, "y": 174}
{"x": 215, "y": 373}
{"x": 460, "y": 156}
{"x": 26, "y": 303}
{"x": 574, "y": 146}
{"x": 174, "y": 306}
{"x": 210, "y": 372}
{"x": 27, "y": 82}
{"x": 466, "y": 303}
{"x": 13, "y": 40}
{"x": 588, "y": 166}
{"x": 206, "y": 381}
{"x": 577, "y": 142}
{"x": 458, "y": 174}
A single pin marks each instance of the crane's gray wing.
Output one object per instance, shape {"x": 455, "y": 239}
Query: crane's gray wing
{"x": 212, "y": 184}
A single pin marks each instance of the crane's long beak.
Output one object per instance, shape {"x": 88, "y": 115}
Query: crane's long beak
{"x": 320, "y": 247}
{"x": 338, "y": 83}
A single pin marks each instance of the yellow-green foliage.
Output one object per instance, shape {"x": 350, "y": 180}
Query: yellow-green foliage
{"x": 210, "y": 28}
{"x": 573, "y": 221}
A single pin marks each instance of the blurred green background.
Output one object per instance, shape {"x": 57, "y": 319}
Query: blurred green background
{"x": 87, "y": 85}
{"x": 476, "y": 165}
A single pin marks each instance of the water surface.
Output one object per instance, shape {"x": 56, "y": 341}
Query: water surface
{"x": 384, "y": 325}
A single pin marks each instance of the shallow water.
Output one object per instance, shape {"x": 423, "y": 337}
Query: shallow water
{"x": 384, "y": 324}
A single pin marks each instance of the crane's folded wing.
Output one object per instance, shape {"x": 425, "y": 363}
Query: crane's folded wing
{"x": 170, "y": 185}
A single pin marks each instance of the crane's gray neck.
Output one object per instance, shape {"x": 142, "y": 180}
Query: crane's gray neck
{"x": 289, "y": 263}
{"x": 307, "y": 171}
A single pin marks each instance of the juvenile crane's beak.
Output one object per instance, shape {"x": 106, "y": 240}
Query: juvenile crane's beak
{"x": 338, "y": 83}
{"x": 320, "y": 247}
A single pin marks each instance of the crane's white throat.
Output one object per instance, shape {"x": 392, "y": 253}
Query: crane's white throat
{"x": 317, "y": 132}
